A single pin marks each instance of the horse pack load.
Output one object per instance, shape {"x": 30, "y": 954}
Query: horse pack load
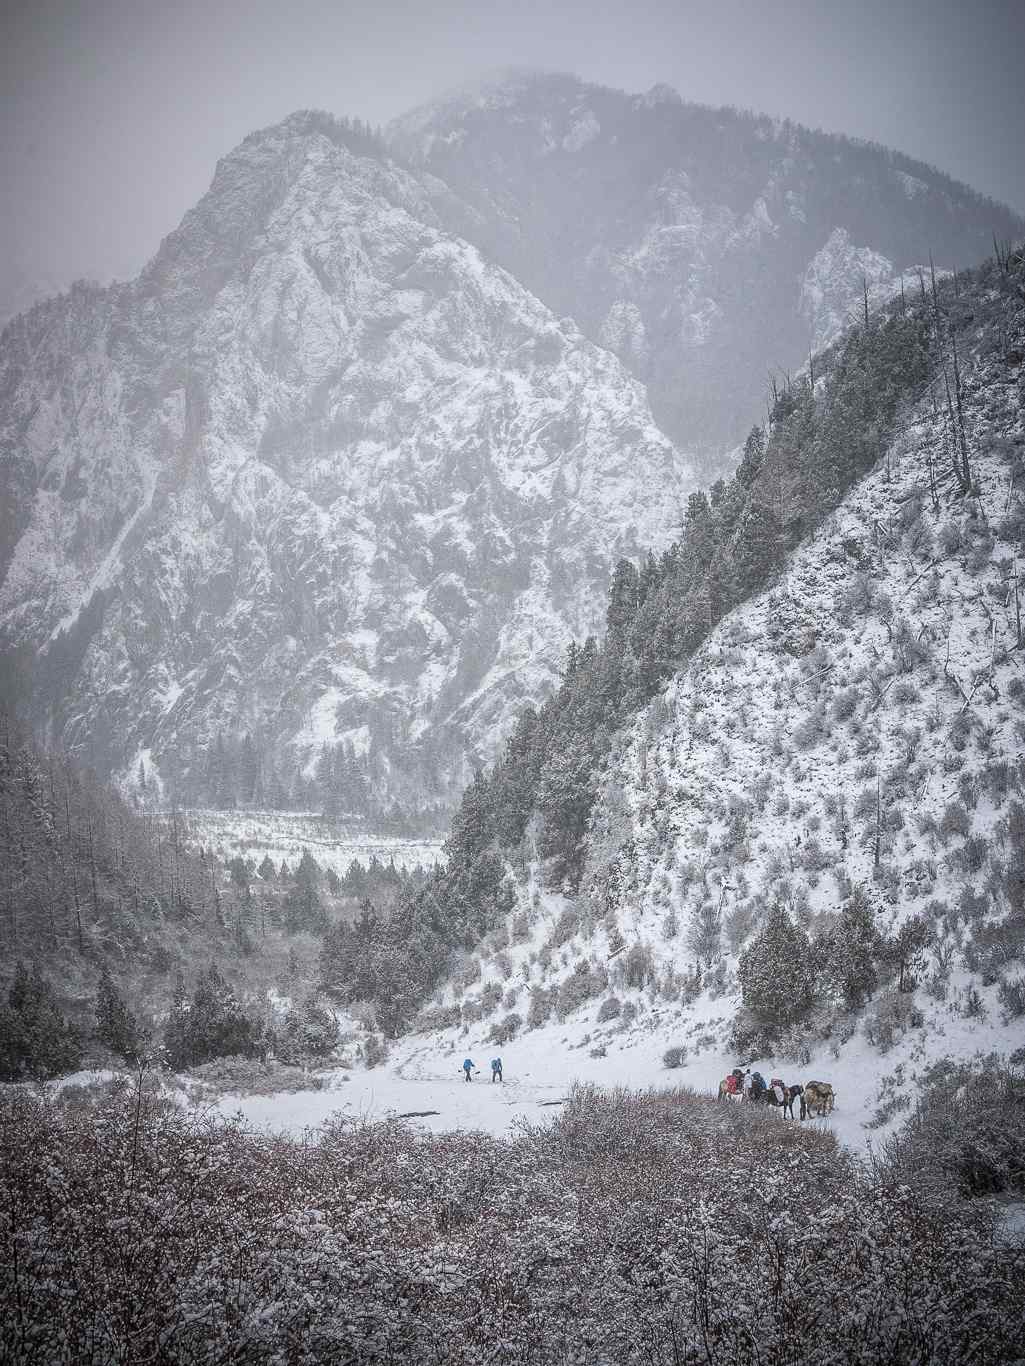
{"x": 817, "y": 1097}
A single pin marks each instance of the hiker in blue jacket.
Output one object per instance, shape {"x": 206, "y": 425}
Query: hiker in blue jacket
{"x": 496, "y": 1069}
{"x": 468, "y": 1066}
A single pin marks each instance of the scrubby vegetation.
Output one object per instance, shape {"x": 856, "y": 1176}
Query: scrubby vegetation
{"x": 656, "y": 1228}
{"x": 967, "y": 1132}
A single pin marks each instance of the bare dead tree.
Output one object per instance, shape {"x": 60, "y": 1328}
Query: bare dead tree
{"x": 877, "y": 849}
{"x": 961, "y": 429}
{"x": 963, "y": 480}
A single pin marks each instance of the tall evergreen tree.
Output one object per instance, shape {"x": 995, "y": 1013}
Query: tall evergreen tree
{"x": 116, "y": 1026}
{"x": 775, "y": 973}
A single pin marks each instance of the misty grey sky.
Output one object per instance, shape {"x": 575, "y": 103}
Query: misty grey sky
{"x": 114, "y": 112}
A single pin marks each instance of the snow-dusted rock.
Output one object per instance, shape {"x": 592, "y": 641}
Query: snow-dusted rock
{"x": 323, "y": 471}
{"x": 709, "y": 223}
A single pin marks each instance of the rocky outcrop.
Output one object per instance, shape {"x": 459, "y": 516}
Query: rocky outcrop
{"x": 322, "y": 473}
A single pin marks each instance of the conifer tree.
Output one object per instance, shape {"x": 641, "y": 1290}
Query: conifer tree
{"x": 116, "y": 1026}
{"x": 303, "y": 907}
{"x": 775, "y": 973}
{"x": 35, "y": 1038}
{"x": 848, "y": 954}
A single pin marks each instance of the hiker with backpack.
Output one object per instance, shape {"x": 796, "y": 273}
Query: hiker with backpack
{"x": 468, "y": 1066}
{"x": 496, "y": 1069}
{"x": 758, "y": 1087}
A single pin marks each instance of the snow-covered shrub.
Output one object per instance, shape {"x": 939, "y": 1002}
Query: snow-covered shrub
{"x": 1011, "y": 995}
{"x": 889, "y": 1018}
{"x": 845, "y": 703}
{"x": 309, "y": 1031}
{"x": 636, "y": 967}
{"x": 968, "y": 1128}
{"x": 609, "y": 1009}
{"x": 855, "y": 597}
{"x": 586, "y": 980}
{"x": 251, "y": 1077}
{"x": 565, "y": 927}
{"x": 973, "y": 906}
{"x": 814, "y": 858}
{"x": 996, "y": 944}
{"x": 520, "y": 927}
{"x": 375, "y": 1050}
{"x": 971, "y": 856}
{"x": 504, "y": 1030}
{"x": 968, "y": 787}
{"x": 490, "y": 997}
{"x": 811, "y": 730}
{"x": 542, "y": 1003}
{"x": 359, "y": 1245}
{"x": 949, "y": 537}
{"x": 433, "y": 1018}
{"x": 904, "y": 694}
{"x": 738, "y": 924}
{"x": 674, "y": 1056}
{"x": 893, "y": 1095}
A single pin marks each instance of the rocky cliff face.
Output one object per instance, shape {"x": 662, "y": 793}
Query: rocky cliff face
{"x": 322, "y": 473}
{"x": 327, "y": 475}
{"x": 705, "y": 247}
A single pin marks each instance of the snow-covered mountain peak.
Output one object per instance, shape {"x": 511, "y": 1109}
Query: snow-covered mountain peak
{"x": 324, "y": 473}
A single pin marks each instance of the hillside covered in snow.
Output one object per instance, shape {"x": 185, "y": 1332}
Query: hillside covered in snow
{"x": 805, "y": 842}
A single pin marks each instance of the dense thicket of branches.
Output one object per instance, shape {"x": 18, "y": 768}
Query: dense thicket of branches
{"x": 657, "y": 1229}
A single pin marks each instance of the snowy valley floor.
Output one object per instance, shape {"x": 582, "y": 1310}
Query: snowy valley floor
{"x": 423, "y": 1074}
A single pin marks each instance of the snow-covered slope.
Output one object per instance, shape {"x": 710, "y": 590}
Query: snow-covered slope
{"x": 860, "y": 724}
{"x": 322, "y": 472}
{"x": 704, "y": 246}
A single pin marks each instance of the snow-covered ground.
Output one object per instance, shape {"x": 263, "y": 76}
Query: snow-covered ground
{"x": 423, "y": 1073}
{"x": 283, "y": 835}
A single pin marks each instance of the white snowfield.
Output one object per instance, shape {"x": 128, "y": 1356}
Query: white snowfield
{"x": 423, "y": 1082}
{"x": 284, "y": 835}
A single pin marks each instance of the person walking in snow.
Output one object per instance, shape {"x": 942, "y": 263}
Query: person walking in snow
{"x": 496, "y": 1069}
{"x": 468, "y": 1066}
{"x": 748, "y": 1084}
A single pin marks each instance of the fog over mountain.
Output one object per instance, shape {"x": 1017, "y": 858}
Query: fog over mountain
{"x": 529, "y": 593}
{"x": 705, "y": 247}
{"x": 340, "y": 476}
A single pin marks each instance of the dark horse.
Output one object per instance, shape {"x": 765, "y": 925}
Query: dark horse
{"x": 790, "y": 1094}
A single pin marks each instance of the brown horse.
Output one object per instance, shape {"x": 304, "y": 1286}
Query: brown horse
{"x": 819, "y": 1097}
